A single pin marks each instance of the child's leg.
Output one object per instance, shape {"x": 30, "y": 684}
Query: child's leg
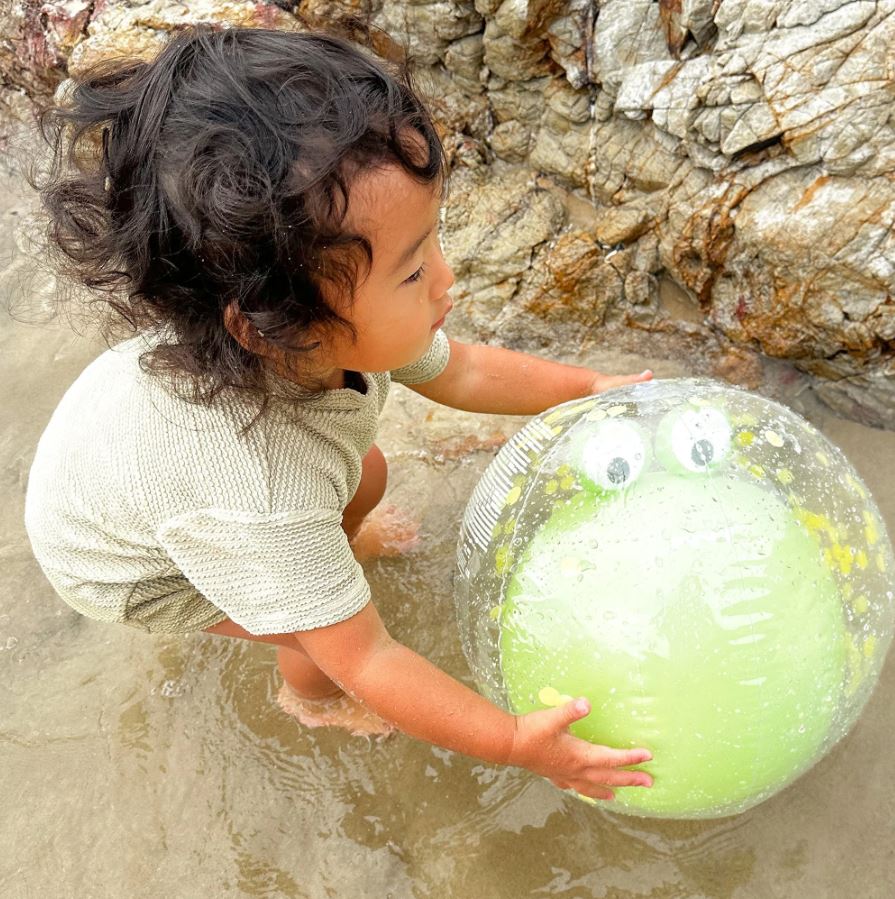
{"x": 297, "y": 669}
{"x": 389, "y": 532}
{"x": 374, "y": 477}
{"x": 307, "y": 693}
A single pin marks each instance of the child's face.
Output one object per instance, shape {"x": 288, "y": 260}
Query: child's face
{"x": 403, "y": 300}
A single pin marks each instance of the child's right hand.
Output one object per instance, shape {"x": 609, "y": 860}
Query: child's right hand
{"x": 543, "y": 744}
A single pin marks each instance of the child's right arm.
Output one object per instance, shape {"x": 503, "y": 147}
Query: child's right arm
{"x": 424, "y": 702}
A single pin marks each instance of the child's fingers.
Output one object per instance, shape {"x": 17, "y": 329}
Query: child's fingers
{"x": 599, "y": 778}
{"x": 621, "y": 758}
{"x": 600, "y": 781}
{"x": 593, "y": 791}
{"x": 603, "y": 756}
{"x": 615, "y": 778}
{"x": 621, "y": 380}
{"x": 607, "y": 382}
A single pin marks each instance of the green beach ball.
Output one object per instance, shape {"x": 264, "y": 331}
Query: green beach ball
{"x": 698, "y": 561}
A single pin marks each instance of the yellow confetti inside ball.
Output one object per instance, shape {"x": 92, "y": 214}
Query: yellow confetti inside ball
{"x": 702, "y": 564}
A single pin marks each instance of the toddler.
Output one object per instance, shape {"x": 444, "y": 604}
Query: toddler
{"x": 261, "y": 208}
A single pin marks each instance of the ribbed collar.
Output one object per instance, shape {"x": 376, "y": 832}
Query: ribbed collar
{"x": 342, "y": 398}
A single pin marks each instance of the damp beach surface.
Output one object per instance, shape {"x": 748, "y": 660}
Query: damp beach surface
{"x": 161, "y": 766}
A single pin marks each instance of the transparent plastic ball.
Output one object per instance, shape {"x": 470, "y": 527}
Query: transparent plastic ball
{"x": 698, "y": 561}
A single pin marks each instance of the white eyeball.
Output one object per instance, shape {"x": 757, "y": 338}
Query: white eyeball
{"x": 614, "y": 454}
{"x": 693, "y": 440}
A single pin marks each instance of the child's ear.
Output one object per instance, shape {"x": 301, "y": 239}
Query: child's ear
{"x": 253, "y": 341}
{"x": 242, "y": 331}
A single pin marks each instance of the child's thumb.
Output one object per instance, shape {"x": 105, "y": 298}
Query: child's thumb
{"x": 572, "y": 711}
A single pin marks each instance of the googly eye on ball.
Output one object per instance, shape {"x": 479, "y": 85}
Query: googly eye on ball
{"x": 700, "y": 563}
{"x": 612, "y": 454}
{"x": 693, "y": 440}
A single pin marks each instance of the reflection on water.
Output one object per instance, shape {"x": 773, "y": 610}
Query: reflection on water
{"x": 145, "y": 767}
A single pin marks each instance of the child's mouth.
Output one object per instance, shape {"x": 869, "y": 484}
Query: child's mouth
{"x": 440, "y": 321}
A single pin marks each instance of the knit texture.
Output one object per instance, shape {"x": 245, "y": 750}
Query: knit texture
{"x": 146, "y": 509}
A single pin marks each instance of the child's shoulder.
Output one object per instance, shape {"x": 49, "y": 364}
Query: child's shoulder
{"x": 115, "y": 374}
{"x": 118, "y": 394}
{"x": 122, "y": 427}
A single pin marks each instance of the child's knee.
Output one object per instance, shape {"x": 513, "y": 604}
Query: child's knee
{"x": 374, "y": 477}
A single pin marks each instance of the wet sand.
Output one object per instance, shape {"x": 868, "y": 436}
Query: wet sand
{"x": 149, "y": 766}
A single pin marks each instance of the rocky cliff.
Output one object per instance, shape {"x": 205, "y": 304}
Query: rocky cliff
{"x": 717, "y": 175}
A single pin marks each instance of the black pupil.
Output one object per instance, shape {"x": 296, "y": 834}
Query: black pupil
{"x": 702, "y": 452}
{"x": 618, "y": 470}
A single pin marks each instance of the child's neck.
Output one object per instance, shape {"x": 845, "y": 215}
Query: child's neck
{"x": 336, "y": 379}
{"x": 341, "y": 379}
{"x": 323, "y": 378}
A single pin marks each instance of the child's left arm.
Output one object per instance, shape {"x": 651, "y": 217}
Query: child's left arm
{"x": 492, "y": 379}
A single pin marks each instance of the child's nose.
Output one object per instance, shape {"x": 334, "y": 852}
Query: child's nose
{"x": 445, "y": 280}
{"x": 449, "y": 283}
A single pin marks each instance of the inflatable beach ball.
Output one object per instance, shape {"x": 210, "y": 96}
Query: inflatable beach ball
{"x": 700, "y": 563}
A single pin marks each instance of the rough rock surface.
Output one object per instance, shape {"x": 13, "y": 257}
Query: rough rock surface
{"x": 715, "y": 175}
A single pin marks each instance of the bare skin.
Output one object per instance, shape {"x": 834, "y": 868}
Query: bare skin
{"x": 376, "y": 530}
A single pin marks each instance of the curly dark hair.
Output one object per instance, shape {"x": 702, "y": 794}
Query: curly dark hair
{"x": 220, "y": 173}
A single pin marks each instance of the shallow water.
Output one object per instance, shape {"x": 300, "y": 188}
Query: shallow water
{"x": 145, "y": 767}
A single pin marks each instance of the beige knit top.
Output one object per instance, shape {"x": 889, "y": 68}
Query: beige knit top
{"x": 146, "y": 509}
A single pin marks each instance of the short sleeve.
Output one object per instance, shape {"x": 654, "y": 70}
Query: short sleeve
{"x": 270, "y": 573}
{"x": 427, "y": 367}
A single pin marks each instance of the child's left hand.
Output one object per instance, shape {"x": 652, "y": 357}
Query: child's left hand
{"x": 499, "y": 381}
{"x": 603, "y": 382}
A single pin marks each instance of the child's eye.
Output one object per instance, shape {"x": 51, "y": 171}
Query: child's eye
{"x": 417, "y": 274}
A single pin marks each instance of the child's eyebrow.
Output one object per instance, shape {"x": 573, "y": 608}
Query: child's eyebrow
{"x": 407, "y": 255}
